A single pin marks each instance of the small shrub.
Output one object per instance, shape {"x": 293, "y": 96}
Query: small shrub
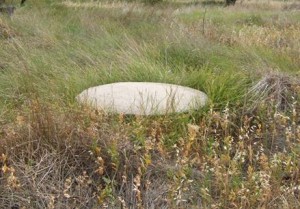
{"x": 277, "y": 88}
{"x": 230, "y": 2}
{"x": 152, "y": 1}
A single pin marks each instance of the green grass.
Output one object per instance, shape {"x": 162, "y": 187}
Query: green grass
{"x": 239, "y": 151}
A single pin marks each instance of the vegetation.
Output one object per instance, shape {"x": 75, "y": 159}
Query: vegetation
{"x": 240, "y": 151}
{"x": 230, "y": 2}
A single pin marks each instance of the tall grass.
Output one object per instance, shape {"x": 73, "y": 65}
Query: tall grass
{"x": 240, "y": 151}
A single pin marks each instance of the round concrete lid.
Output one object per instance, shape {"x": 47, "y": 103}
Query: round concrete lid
{"x": 142, "y": 98}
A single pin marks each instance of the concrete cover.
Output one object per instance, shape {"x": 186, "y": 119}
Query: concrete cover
{"x": 142, "y": 98}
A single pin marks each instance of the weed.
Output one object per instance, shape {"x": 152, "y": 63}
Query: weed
{"x": 239, "y": 151}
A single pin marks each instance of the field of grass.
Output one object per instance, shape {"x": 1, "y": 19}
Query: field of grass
{"x": 242, "y": 150}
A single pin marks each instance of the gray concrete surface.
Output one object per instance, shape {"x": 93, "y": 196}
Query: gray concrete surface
{"x": 142, "y": 98}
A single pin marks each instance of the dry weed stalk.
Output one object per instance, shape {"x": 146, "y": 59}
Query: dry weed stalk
{"x": 223, "y": 159}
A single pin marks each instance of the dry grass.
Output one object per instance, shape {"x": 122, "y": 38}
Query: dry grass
{"x": 241, "y": 151}
{"x": 282, "y": 38}
{"x": 277, "y": 89}
{"x": 5, "y": 31}
{"x": 86, "y": 158}
{"x": 99, "y": 4}
{"x": 269, "y": 4}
